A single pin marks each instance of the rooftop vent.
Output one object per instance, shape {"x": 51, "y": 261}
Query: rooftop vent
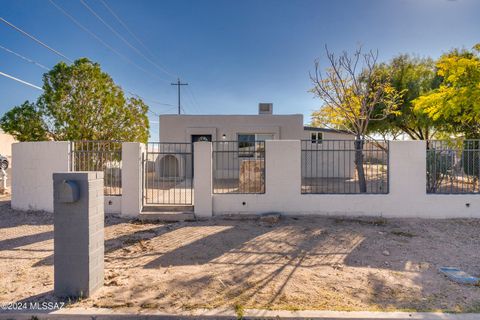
{"x": 265, "y": 108}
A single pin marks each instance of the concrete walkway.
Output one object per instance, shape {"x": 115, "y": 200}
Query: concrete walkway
{"x": 108, "y": 314}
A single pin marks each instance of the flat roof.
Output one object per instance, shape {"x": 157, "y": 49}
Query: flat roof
{"x": 231, "y": 115}
{"x": 307, "y": 128}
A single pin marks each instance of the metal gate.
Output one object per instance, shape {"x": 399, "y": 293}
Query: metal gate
{"x": 168, "y": 174}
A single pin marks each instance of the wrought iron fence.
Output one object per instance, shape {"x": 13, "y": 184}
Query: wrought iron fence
{"x": 453, "y": 166}
{"x": 344, "y": 166}
{"x": 168, "y": 173}
{"x": 238, "y": 166}
{"x": 103, "y": 156}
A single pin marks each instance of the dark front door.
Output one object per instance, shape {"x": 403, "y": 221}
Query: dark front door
{"x": 201, "y": 137}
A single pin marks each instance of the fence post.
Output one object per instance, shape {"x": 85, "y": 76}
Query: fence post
{"x": 202, "y": 181}
{"x": 283, "y": 169}
{"x": 132, "y": 187}
{"x": 407, "y": 170}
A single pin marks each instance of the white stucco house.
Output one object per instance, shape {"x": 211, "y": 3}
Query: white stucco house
{"x": 249, "y": 129}
{"x": 262, "y": 126}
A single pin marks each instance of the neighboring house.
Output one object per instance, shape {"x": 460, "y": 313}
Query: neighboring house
{"x": 248, "y": 129}
{"x": 6, "y": 142}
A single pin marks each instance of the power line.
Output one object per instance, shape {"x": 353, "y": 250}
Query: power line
{"x": 47, "y": 69}
{"x": 121, "y": 37}
{"x": 187, "y": 103}
{"x": 154, "y": 113}
{"x": 81, "y": 26}
{"x": 25, "y": 58}
{"x": 158, "y": 114}
{"x": 34, "y": 39}
{"x": 152, "y": 101}
{"x": 51, "y": 49}
{"x": 193, "y": 99}
{"x": 133, "y": 35}
{"x": 114, "y": 31}
{"x": 39, "y": 88}
{"x": 161, "y": 103}
{"x": 22, "y": 57}
{"x": 193, "y": 95}
{"x": 20, "y": 80}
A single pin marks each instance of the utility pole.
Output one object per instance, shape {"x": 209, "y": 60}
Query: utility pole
{"x": 178, "y": 84}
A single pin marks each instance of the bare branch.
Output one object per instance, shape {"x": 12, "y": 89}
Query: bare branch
{"x": 351, "y": 89}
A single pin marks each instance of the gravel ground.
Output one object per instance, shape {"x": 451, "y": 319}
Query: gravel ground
{"x": 325, "y": 263}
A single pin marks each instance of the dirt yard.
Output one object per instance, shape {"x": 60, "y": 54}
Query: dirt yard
{"x": 296, "y": 263}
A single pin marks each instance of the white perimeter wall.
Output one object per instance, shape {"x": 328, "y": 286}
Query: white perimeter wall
{"x": 35, "y": 163}
{"x": 113, "y": 204}
{"x": 32, "y": 182}
{"x": 407, "y": 197}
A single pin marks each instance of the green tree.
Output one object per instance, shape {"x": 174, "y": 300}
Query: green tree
{"x": 456, "y": 102}
{"x": 412, "y": 77}
{"x": 81, "y": 102}
{"x": 25, "y": 123}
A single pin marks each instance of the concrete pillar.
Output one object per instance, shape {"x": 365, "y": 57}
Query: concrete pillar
{"x": 202, "y": 181}
{"x": 407, "y": 169}
{"x": 283, "y": 169}
{"x": 32, "y": 169}
{"x": 132, "y": 178}
{"x": 78, "y": 233}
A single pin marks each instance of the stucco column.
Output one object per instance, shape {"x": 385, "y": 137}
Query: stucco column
{"x": 132, "y": 188}
{"x": 407, "y": 170}
{"x": 202, "y": 181}
{"x": 283, "y": 170}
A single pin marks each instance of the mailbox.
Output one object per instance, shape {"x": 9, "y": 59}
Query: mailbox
{"x": 78, "y": 233}
{"x": 69, "y": 191}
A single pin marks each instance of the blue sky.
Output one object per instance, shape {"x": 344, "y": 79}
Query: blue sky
{"x": 233, "y": 54}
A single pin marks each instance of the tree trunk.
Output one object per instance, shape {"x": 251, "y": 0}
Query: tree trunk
{"x": 362, "y": 183}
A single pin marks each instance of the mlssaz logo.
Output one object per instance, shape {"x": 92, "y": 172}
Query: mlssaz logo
{"x": 46, "y": 305}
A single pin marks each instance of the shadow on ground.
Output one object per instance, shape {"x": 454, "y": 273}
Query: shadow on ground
{"x": 297, "y": 263}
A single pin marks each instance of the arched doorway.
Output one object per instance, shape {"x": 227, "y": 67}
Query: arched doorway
{"x": 169, "y": 167}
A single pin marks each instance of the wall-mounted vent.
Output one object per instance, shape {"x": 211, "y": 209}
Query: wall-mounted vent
{"x": 265, "y": 108}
